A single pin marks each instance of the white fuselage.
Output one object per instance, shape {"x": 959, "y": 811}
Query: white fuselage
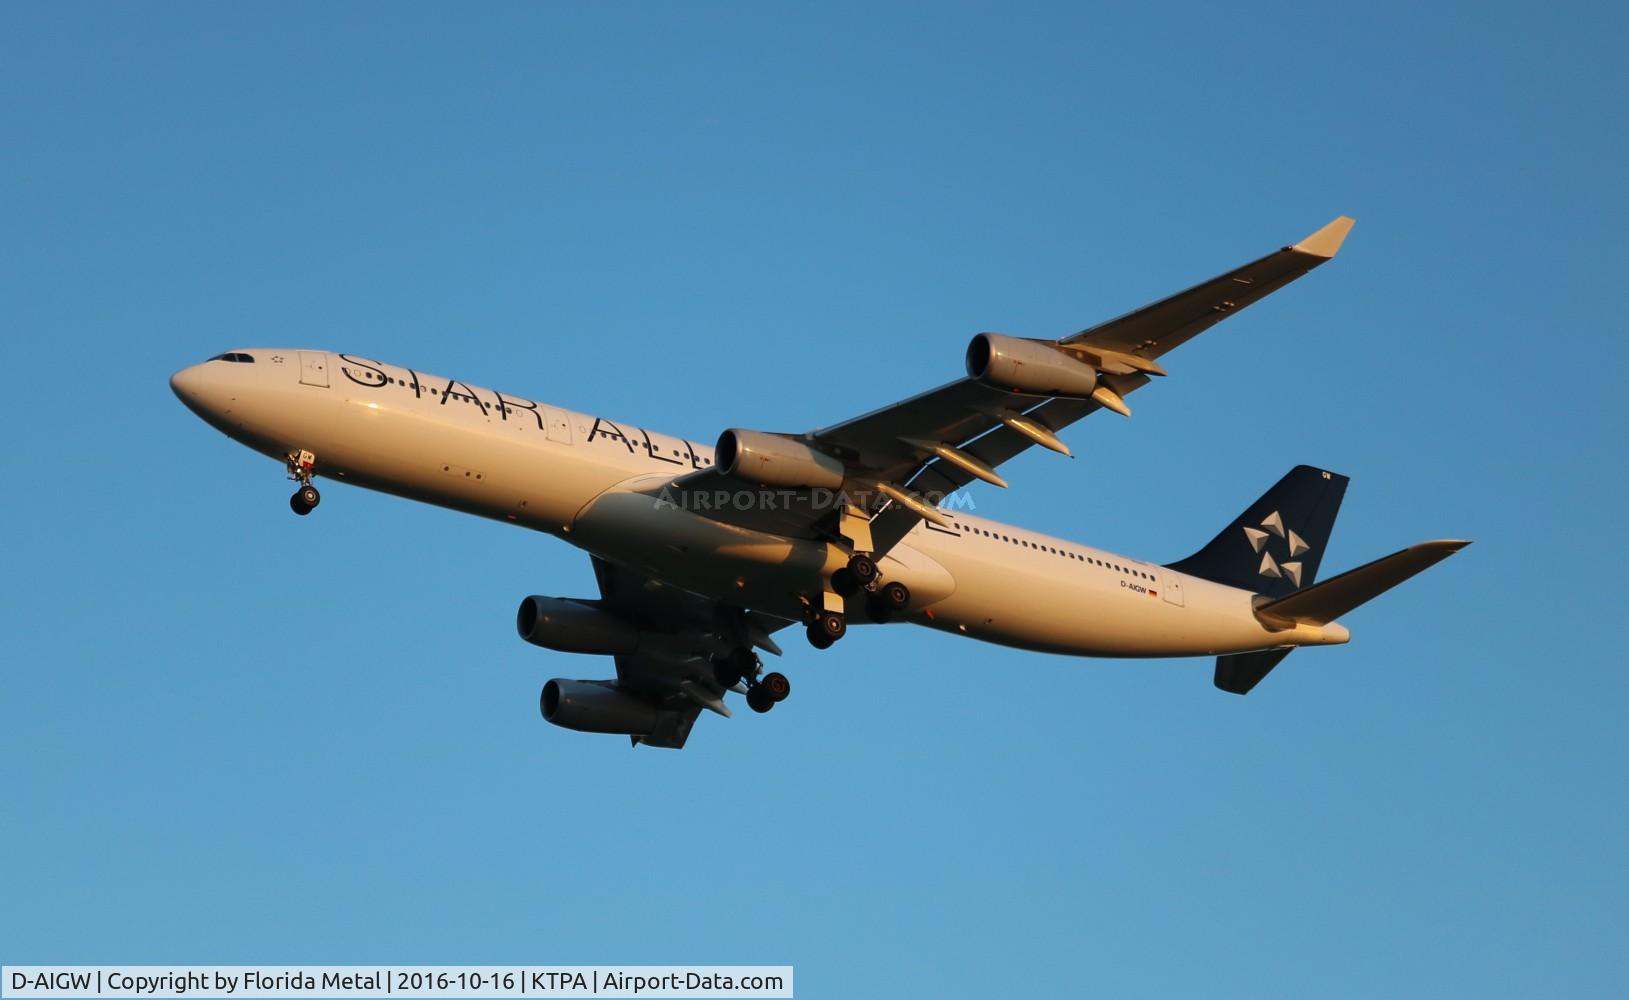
{"x": 597, "y": 484}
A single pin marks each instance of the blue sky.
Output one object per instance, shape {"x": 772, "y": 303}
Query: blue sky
{"x": 236, "y": 736}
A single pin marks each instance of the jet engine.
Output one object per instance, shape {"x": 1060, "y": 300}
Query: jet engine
{"x": 775, "y": 460}
{"x": 597, "y": 707}
{"x": 573, "y": 627}
{"x": 1029, "y": 366}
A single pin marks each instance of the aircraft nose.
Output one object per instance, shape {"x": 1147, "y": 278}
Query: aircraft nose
{"x": 186, "y": 384}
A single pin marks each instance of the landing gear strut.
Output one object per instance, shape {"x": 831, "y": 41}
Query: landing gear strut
{"x": 300, "y": 464}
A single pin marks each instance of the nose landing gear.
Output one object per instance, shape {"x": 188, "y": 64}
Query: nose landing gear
{"x": 306, "y": 498}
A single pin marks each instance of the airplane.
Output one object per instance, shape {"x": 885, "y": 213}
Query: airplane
{"x": 703, "y": 553}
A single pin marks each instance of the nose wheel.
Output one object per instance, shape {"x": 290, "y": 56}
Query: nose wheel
{"x": 300, "y": 466}
{"x": 304, "y": 500}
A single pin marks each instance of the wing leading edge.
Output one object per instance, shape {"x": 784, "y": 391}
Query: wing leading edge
{"x": 902, "y": 448}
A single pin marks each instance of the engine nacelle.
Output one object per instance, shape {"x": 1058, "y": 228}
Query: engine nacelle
{"x": 597, "y": 707}
{"x": 776, "y": 461}
{"x": 1030, "y": 366}
{"x": 573, "y": 627}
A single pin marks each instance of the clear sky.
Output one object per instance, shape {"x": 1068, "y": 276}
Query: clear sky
{"x": 233, "y": 735}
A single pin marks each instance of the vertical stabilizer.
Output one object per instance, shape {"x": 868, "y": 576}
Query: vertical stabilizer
{"x": 1275, "y": 546}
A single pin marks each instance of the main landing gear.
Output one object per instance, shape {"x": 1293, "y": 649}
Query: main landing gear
{"x": 306, "y": 498}
{"x": 771, "y": 689}
{"x": 825, "y": 628}
{"x": 888, "y": 602}
{"x": 741, "y": 664}
{"x": 883, "y": 602}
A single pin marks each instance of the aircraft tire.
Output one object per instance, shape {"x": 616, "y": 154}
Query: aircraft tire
{"x": 775, "y": 685}
{"x": 896, "y": 596}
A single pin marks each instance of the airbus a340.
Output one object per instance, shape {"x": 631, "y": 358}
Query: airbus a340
{"x": 704, "y": 553}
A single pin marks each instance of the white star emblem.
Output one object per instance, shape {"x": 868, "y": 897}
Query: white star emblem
{"x": 1272, "y": 526}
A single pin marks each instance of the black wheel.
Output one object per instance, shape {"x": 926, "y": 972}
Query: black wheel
{"x": 831, "y": 625}
{"x": 896, "y": 596}
{"x": 725, "y": 673}
{"x": 877, "y": 609}
{"x": 298, "y": 505}
{"x": 776, "y": 684}
{"x": 309, "y": 495}
{"x": 843, "y": 583}
{"x": 863, "y": 567}
{"x": 759, "y": 700}
{"x": 819, "y": 639}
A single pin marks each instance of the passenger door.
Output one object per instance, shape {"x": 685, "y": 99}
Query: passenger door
{"x": 1171, "y": 587}
{"x": 314, "y": 368}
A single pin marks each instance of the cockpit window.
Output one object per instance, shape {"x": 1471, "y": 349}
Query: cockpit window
{"x": 236, "y": 357}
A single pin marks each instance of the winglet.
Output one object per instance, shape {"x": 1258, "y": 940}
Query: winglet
{"x": 1327, "y": 240}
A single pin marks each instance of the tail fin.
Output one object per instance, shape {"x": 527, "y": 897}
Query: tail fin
{"x": 1275, "y": 546}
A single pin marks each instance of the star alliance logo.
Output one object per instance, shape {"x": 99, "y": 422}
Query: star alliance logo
{"x": 1273, "y": 526}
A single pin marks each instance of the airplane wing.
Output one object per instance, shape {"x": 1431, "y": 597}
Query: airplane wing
{"x": 677, "y": 675}
{"x": 945, "y": 438}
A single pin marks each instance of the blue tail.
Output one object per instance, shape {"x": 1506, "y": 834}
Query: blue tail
{"x": 1275, "y": 546}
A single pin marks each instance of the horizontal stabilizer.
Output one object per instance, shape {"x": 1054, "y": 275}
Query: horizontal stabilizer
{"x": 1322, "y": 603}
{"x": 1237, "y": 673}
